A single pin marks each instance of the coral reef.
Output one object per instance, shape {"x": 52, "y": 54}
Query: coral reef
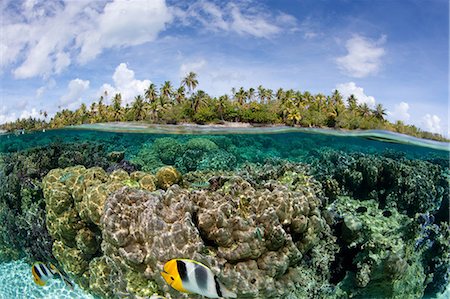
{"x": 381, "y": 262}
{"x": 411, "y": 186}
{"x": 75, "y": 198}
{"x": 22, "y": 211}
{"x": 167, "y": 176}
{"x": 253, "y": 238}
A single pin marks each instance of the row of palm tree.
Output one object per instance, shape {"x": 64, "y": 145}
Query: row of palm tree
{"x": 168, "y": 104}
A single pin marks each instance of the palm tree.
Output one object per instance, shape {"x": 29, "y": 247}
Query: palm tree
{"x": 180, "y": 95}
{"x": 280, "y": 94}
{"x": 138, "y": 108}
{"x": 223, "y": 100}
{"x": 364, "y": 110}
{"x": 190, "y": 81}
{"x": 166, "y": 91}
{"x": 240, "y": 96}
{"x": 101, "y": 109}
{"x": 117, "y": 106}
{"x": 352, "y": 103}
{"x": 198, "y": 99}
{"x": 261, "y": 94}
{"x": 268, "y": 95}
{"x": 151, "y": 94}
{"x": 251, "y": 94}
{"x": 93, "y": 112}
{"x": 379, "y": 112}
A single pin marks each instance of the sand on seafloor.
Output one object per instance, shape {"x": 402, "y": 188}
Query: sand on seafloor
{"x": 17, "y": 283}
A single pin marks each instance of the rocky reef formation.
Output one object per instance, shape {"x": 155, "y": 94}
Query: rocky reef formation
{"x": 197, "y": 153}
{"x": 114, "y": 235}
{"x": 382, "y": 261}
{"x": 22, "y": 206}
{"x": 253, "y": 238}
{"x": 410, "y": 186}
{"x": 75, "y": 198}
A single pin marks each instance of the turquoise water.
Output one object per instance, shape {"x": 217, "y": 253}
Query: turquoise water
{"x": 376, "y": 189}
{"x": 17, "y": 283}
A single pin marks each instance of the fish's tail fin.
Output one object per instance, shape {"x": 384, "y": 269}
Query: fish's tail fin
{"x": 67, "y": 281}
{"x": 226, "y": 293}
{"x": 63, "y": 277}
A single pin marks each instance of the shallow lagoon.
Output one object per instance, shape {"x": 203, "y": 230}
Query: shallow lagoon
{"x": 345, "y": 170}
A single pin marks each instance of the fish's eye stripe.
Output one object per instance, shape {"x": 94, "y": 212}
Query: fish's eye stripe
{"x": 35, "y": 270}
{"x": 218, "y": 290}
{"x": 182, "y": 271}
{"x": 201, "y": 277}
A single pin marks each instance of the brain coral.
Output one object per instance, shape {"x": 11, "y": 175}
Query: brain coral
{"x": 253, "y": 238}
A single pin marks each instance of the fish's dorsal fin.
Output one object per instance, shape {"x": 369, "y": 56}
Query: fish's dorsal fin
{"x": 195, "y": 262}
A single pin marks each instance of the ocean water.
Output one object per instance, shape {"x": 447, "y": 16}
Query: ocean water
{"x": 378, "y": 227}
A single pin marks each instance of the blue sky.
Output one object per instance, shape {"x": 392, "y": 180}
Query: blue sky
{"x": 62, "y": 53}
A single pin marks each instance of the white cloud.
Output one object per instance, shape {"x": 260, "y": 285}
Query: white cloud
{"x": 256, "y": 25}
{"x": 44, "y": 37}
{"x": 401, "y": 112}
{"x": 195, "y": 66}
{"x": 363, "y": 57}
{"x": 350, "y": 88}
{"x": 75, "y": 90}
{"x": 7, "y": 117}
{"x": 243, "y": 18}
{"x": 12, "y": 116}
{"x": 33, "y": 113}
{"x": 124, "y": 23}
{"x": 432, "y": 123}
{"x": 125, "y": 84}
{"x": 49, "y": 85}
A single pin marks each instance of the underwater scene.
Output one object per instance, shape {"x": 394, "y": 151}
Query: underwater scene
{"x": 101, "y": 214}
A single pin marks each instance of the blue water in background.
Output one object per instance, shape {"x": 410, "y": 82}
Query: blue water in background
{"x": 286, "y": 143}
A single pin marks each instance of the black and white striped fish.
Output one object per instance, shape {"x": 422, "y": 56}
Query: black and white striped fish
{"x": 42, "y": 274}
{"x": 190, "y": 276}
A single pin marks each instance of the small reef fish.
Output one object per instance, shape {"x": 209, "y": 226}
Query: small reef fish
{"x": 42, "y": 274}
{"x": 190, "y": 276}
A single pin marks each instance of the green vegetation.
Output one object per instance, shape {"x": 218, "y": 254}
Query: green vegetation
{"x": 260, "y": 106}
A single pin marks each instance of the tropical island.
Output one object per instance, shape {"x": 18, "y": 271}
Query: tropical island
{"x": 260, "y": 106}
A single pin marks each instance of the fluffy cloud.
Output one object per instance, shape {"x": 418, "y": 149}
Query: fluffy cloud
{"x": 124, "y": 23}
{"x": 363, "y": 57}
{"x": 10, "y": 117}
{"x": 401, "y": 112}
{"x": 43, "y": 37}
{"x": 243, "y": 18}
{"x": 125, "y": 84}
{"x": 432, "y": 123}
{"x": 75, "y": 90}
{"x": 195, "y": 66}
{"x": 350, "y": 88}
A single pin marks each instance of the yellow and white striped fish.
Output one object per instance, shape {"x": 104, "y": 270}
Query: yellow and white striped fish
{"x": 190, "y": 276}
{"x": 41, "y": 274}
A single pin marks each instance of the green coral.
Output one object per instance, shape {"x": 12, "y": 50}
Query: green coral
{"x": 167, "y": 176}
{"x": 167, "y": 149}
{"x": 387, "y": 265}
{"x": 410, "y": 186}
